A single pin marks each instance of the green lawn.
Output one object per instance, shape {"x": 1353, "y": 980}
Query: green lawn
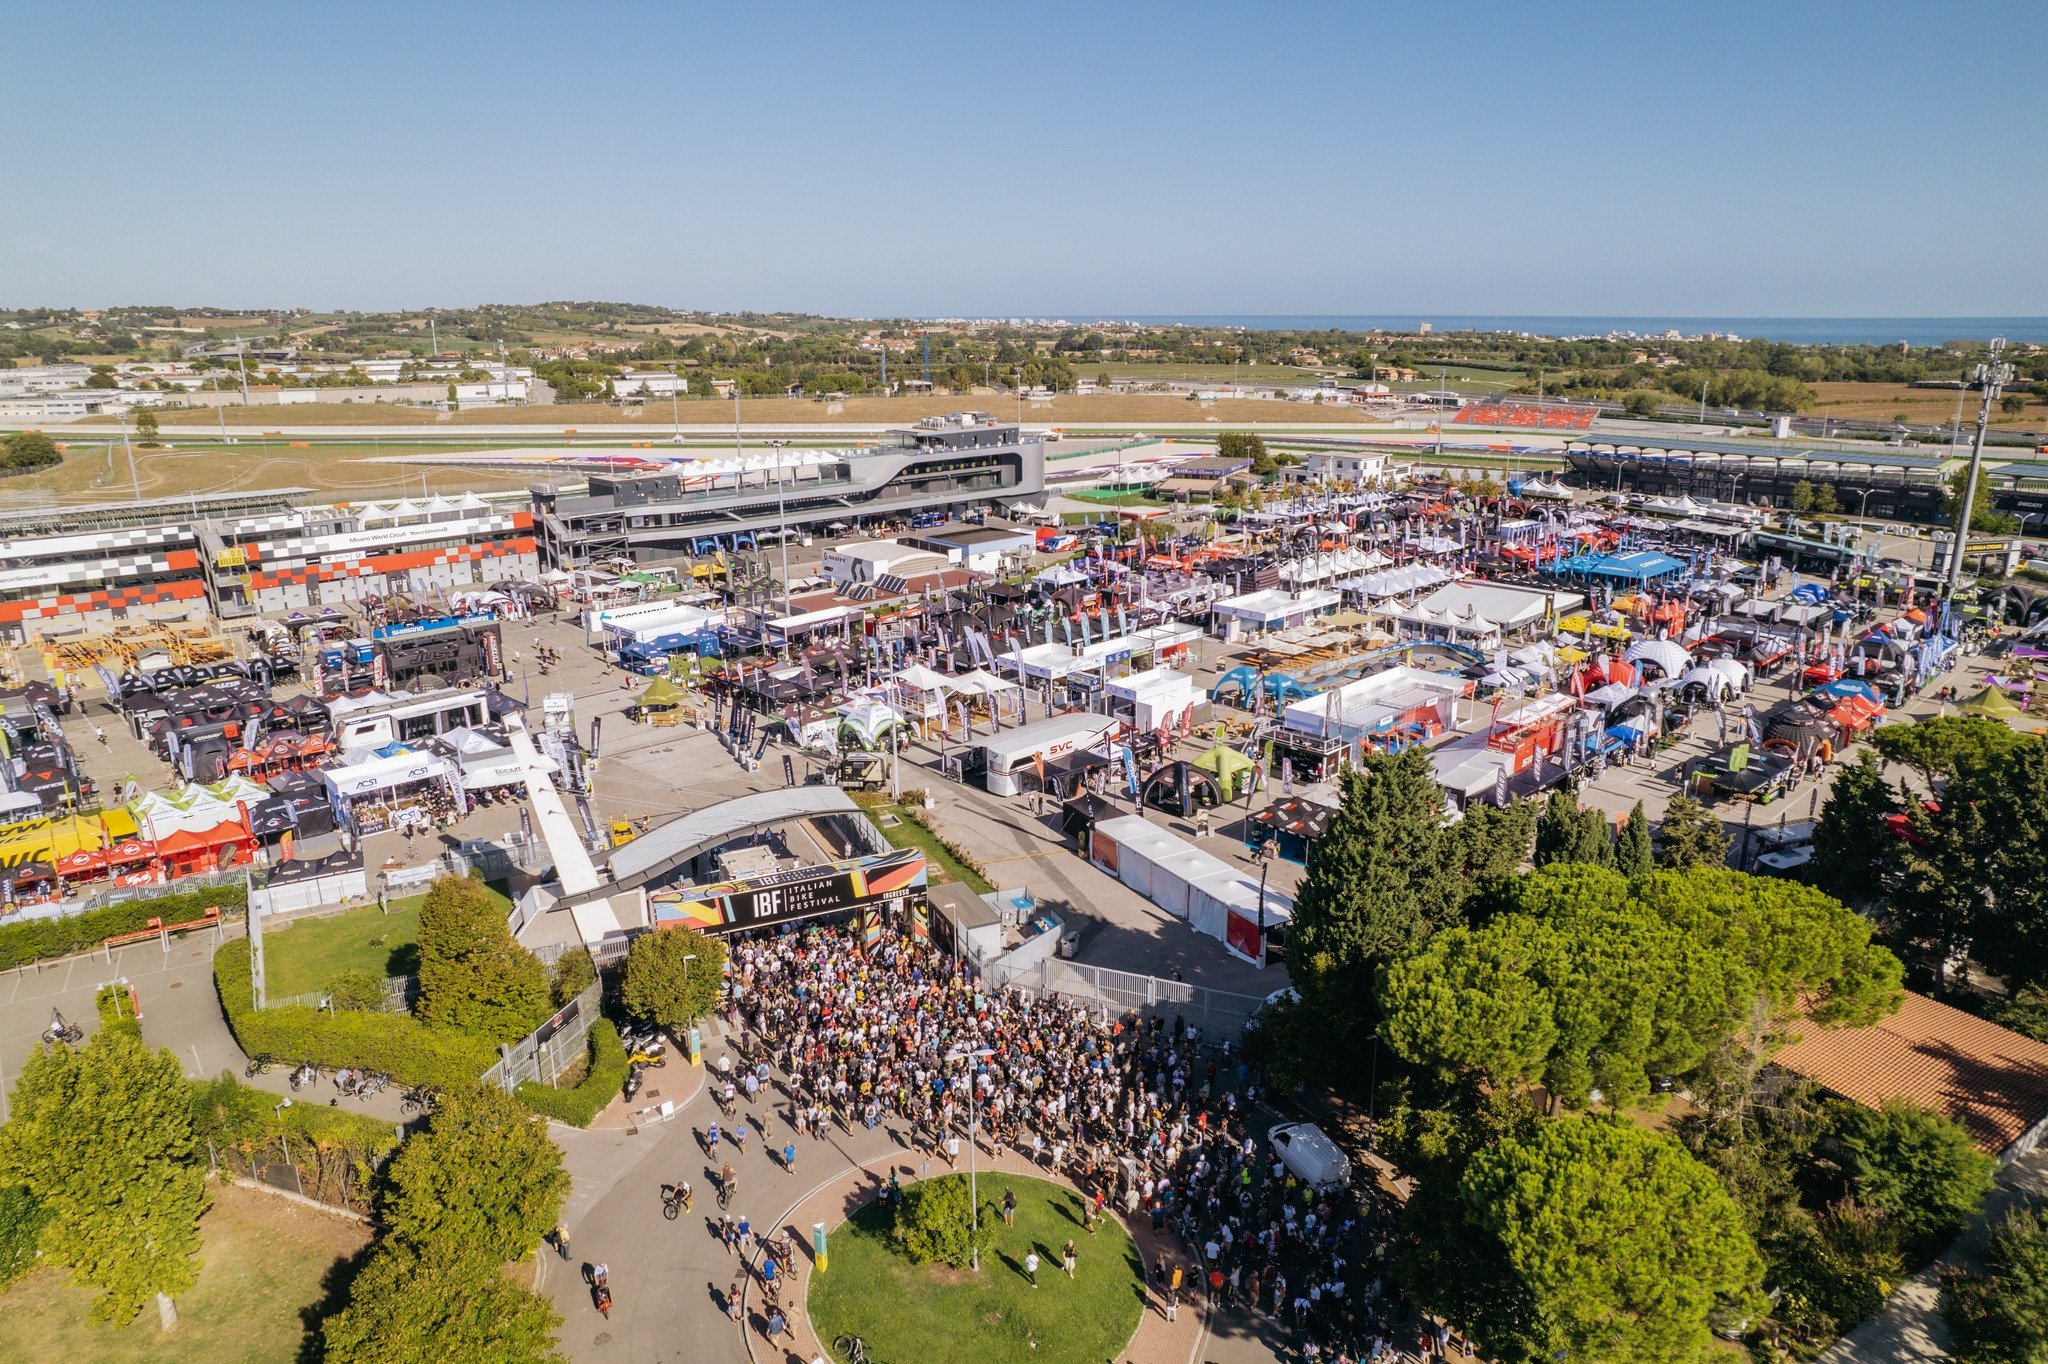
{"x": 905, "y": 1312}
{"x": 262, "y": 1262}
{"x": 308, "y": 956}
{"x": 906, "y": 832}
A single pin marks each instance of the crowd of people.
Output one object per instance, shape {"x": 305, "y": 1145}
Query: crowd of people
{"x": 1146, "y": 1117}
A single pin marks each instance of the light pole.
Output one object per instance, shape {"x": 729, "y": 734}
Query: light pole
{"x": 973, "y": 1185}
{"x": 1993, "y": 375}
{"x": 781, "y": 520}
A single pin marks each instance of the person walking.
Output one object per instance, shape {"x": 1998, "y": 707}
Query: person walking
{"x": 733, "y": 1310}
{"x": 1068, "y": 1258}
{"x": 1172, "y": 1304}
{"x": 778, "y": 1325}
{"x": 789, "y": 1156}
{"x": 1031, "y": 1267}
{"x": 562, "y": 1240}
{"x": 1009, "y": 1207}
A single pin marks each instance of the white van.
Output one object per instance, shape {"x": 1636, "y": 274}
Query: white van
{"x": 1310, "y": 1156}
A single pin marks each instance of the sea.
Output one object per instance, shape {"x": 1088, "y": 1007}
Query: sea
{"x": 1805, "y": 331}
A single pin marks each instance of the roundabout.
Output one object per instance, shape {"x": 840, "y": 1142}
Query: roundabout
{"x": 905, "y": 1311}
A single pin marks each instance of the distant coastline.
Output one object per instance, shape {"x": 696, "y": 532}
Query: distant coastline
{"x": 1805, "y": 331}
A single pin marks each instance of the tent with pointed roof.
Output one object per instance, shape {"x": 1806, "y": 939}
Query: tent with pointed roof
{"x": 1232, "y": 769}
{"x": 1992, "y": 704}
{"x": 661, "y": 694}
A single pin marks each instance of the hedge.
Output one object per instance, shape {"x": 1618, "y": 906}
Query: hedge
{"x": 226, "y": 1110}
{"x": 39, "y": 939}
{"x": 606, "y": 1077}
{"x": 22, "y": 1220}
{"x": 409, "y": 1051}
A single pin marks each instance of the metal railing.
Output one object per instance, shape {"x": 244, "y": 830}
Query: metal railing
{"x": 548, "y": 1050}
{"x": 1120, "y": 991}
{"x": 400, "y": 994}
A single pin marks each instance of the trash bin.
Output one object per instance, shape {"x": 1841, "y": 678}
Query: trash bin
{"x": 1070, "y": 944}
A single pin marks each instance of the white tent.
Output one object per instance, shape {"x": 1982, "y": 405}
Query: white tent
{"x": 917, "y": 677}
{"x": 1736, "y": 675}
{"x": 1716, "y": 684}
{"x": 1670, "y": 659}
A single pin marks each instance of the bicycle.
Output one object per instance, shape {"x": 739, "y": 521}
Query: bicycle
{"x": 259, "y": 1065}
{"x": 419, "y": 1099}
{"x": 854, "y": 1348}
{"x": 675, "y": 1201}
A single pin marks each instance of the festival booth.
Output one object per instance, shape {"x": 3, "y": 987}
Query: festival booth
{"x": 377, "y": 789}
{"x": 1216, "y": 898}
{"x": 1385, "y": 711}
{"x": 1271, "y": 609}
{"x": 1233, "y": 771}
{"x": 198, "y": 829}
{"x": 306, "y": 794}
{"x": 485, "y": 762}
{"x": 1151, "y": 699}
{"x": 39, "y": 859}
{"x": 1291, "y": 823}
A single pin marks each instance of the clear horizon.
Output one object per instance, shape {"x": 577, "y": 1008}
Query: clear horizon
{"x": 1832, "y": 160}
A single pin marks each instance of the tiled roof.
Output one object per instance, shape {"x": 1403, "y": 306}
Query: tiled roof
{"x": 1990, "y": 1079}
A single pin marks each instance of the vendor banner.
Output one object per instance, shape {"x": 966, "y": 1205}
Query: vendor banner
{"x": 892, "y": 881}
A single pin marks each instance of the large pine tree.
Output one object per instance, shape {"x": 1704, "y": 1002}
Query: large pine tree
{"x": 1379, "y": 881}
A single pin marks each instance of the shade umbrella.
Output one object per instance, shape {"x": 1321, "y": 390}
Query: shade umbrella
{"x": 661, "y": 692}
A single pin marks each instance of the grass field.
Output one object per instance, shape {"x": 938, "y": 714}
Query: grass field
{"x": 306, "y": 957}
{"x": 925, "y": 1312}
{"x": 262, "y": 1265}
{"x": 906, "y": 832}
{"x": 1883, "y": 402}
{"x": 185, "y": 467}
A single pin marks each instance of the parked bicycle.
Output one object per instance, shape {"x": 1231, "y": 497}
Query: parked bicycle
{"x": 419, "y": 1099}
{"x": 303, "y": 1074}
{"x": 259, "y": 1065}
{"x": 62, "y": 1030}
{"x": 854, "y": 1349}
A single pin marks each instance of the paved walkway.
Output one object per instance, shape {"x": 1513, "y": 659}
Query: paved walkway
{"x": 1909, "y": 1328}
{"x": 832, "y": 1201}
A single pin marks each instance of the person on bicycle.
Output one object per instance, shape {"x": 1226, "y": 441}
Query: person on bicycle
{"x": 728, "y": 1185}
{"x": 682, "y": 1193}
{"x": 711, "y": 1139}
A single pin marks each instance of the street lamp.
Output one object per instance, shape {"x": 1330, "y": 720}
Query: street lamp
{"x": 973, "y": 1186}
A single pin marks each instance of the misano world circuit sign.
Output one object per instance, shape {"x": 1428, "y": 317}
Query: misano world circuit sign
{"x": 892, "y": 881}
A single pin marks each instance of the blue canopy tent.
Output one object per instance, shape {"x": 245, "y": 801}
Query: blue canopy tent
{"x": 1810, "y": 594}
{"x": 1639, "y": 566}
{"x": 1842, "y": 688}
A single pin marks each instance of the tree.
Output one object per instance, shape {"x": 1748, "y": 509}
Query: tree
{"x": 1984, "y": 514}
{"x": 415, "y": 1306}
{"x": 1826, "y": 501}
{"x": 22, "y": 1220}
{"x": 1802, "y": 496}
{"x": 482, "y": 1178}
{"x": 1485, "y": 851}
{"x": 1919, "y": 1166}
{"x": 1378, "y": 882}
{"x": 1855, "y": 856}
{"x": 673, "y": 976}
{"x": 146, "y": 429}
{"x": 1588, "y": 990}
{"x": 1690, "y": 836}
{"x": 1616, "y": 1245}
{"x": 2012, "y": 404}
{"x": 1999, "y": 1314}
{"x": 1941, "y": 747}
{"x": 1557, "y": 827}
{"x": 473, "y": 973}
{"x": 1242, "y": 445}
{"x": 102, "y": 1139}
{"x": 574, "y": 972}
{"x": 934, "y": 1223}
{"x": 1981, "y": 860}
{"x": 30, "y": 450}
{"x": 1640, "y": 403}
{"x": 1633, "y": 854}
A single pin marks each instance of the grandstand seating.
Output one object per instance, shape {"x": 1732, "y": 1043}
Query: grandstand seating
{"x": 1537, "y": 416}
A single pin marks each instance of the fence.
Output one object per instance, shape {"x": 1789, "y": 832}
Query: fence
{"x": 334, "y": 1177}
{"x": 550, "y": 1049}
{"x": 1153, "y": 996}
{"x": 400, "y": 994}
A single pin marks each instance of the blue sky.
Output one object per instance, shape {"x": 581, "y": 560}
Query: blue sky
{"x": 1799, "y": 158}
